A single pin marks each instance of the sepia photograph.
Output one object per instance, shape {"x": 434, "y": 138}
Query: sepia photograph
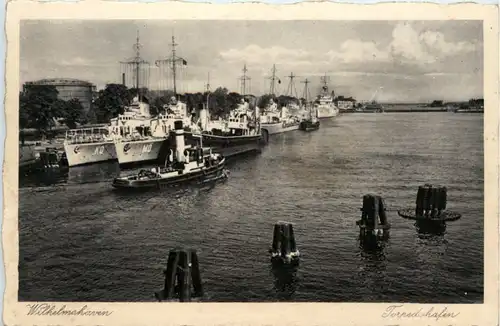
{"x": 251, "y": 161}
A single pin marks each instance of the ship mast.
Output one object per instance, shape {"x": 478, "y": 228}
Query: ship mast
{"x": 306, "y": 90}
{"x": 307, "y": 95}
{"x": 207, "y": 87}
{"x": 273, "y": 80}
{"x": 244, "y": 80}
{"x": 324, "y": 80}
{"x": 291, "y": 86}
{"x": 173, "y": 61}
{"x": 136, "y": 63}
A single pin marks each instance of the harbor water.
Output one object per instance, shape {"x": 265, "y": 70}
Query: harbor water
{"x": 81, "y": 241}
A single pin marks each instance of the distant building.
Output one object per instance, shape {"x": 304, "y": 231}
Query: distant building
{"x": 345, "y": 103}
{"x": 70, "y": 88}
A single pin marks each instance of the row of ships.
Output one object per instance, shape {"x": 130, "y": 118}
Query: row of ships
{"x": 137, "y": 136}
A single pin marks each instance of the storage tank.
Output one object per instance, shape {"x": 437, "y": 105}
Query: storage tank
{"x": 69, "y": 89}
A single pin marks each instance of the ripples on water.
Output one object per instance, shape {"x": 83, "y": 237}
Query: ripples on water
{"x": 83, "y": 242}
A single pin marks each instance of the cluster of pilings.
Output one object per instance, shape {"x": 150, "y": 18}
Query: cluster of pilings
{"x": 429, "y": 213}
{"x": 431, "y": 202}
{"x": 284, "y": 260}
{"x": 430, "y": 206}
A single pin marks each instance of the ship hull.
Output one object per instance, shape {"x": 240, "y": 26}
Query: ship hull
{"x": 182, "y": 179}
{"x": 370, "y": 111}
{"x": 469, "y": 111}
{"x": 27, "y": 156}
{"x": 326, "y": 113}
{"x": 80, "y": 154}
{"x": 309, "y": 125}
{"x": 139, "y": 151}
{"x": 224, "y": 141}
{"x": 279, "y": 127}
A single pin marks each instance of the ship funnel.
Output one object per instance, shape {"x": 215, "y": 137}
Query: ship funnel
{"x": 204, "y": 117}
{"x": 179, "y": 140}
{"x": 144, "y": 109}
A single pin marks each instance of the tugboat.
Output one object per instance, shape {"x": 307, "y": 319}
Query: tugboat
{"x": 186, "y": 165}
{"x": 311, "y": 122}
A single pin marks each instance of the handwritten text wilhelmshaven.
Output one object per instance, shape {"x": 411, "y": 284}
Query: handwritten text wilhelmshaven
{"x": 45, "y": 309}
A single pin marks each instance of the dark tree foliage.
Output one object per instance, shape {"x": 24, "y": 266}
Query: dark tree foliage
{"x": 265, "y": 99}
{"x": 436, "y": 103}
{"x": 159, "y": 100}
{"x": 143, "y": 91}
{"x": 38, "y": 107}
{"x": 476, "y": 102}
{"x": 232, "y": 102}
{"x": 73, "y": 113}
{"x": 281, "y": 100}
{"x": 284, "y": 100}
{"x": 218, "y": 102}
{"x": 194, "y": 101}
{"x": 111, "y": 101}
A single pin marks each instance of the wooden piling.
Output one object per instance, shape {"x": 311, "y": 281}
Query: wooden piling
{"x": 276, "y": 238}
{"x": 284, "y": 246}
{"x": 373, "y": 217}
{"x": 442, "y": 200}
{"x": 182, "y": 277}
{"x": 382, "y": 212}
{"x": 285, "y": 240}
{"x": 293, "y": 244}
{"x": 419, "y": 211}
{"x": 196, "y": 275}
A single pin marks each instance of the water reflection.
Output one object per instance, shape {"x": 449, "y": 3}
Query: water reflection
{"x": 371, "y": 243}
{"x": 94, "y": 173}
{"x": 285, "y": 280}
{"x": 48, "y": 177}
{"x": 91, "y": 173}
{"x": 372, "y": 267}
{"x": 426, "y": 229}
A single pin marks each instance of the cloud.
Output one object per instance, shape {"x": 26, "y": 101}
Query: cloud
{"x": 254, "y": 54}
{"x": 410, "y": 47}
{"x": 407, "y": 47}
{"x": 436, "y": 42}
{"x": 75, "y": 61}
{"x": 355, "y": 51}
{"x": 83, "y": 62}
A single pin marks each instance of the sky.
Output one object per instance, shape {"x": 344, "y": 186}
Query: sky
{"x": 389, "y": 61}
